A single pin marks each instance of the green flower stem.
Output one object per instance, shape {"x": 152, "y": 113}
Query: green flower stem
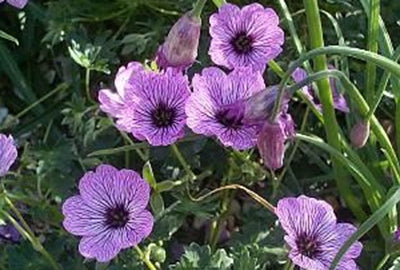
{"x": 383, "y": 262}
{"x": 59, "y": 88}
{"x": 292, "y": 153}
{"x": 26, "y": 231}
{"x": 382, "y": 85}
{"x": 325, "y": 94}
{"x": 397, "y": 125}
{"x": 145, "y": 259}
{"x": 219, "y": 3}
{"x": 198, "y": 8}
{"x": 289, "y": 265}
{"x": 215, "y": 234}
{"x": 249, "y": 192}
{"x": 373, "y": 32}
{"x": 381, "y": 61}
{"x": 138, "y": 151}
{"x": 183, "y": 162}
{"x": 87, "y": 85}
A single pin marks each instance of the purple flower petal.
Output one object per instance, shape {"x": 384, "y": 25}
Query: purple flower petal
{"x": 313, "y": 235}
{"x": 247, "y": 37}
{"x": 208, "y": 107}
{"x": 8, "y": 153}
{"x": 18, "y": 3}
{"x": 152, "y": 107}
{"x": 103, "y": 247}
{"x": 109, "y": 213}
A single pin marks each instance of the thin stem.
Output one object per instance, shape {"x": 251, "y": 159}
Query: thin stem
{"x": 145, "y": 259}
{"x": 289, "y": 265}
{"x": 383, "y": 262}
{"x": 216, "y": 231}
{"x": 183, "y": 162}
{"x": 252, "y": 194}
{"x": 138, "y": 151}
{"x": 87, "y": 85}
{"x": 397, "y": 125}
{"x": 373, "y": 32}
{"x": 198, "y": 8}
{"x": 59, "y": 88}
{"x": 28, "y": 233}
{"x": 325, "y": 94}
{"x": 295, "y": 147}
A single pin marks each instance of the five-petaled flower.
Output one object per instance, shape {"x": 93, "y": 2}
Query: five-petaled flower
{"x": 313, "y": 234}
{"x": 208, "y": 108}
{"x": 110, "y": 212}
{"x": 148, "y": 104}
{"x": 250, "y": 36}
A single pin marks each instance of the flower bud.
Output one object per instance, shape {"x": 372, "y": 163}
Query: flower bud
{"x": 272, "y": 138}
{"x": 359, "y": 134}
{"x": 180, "y": 47}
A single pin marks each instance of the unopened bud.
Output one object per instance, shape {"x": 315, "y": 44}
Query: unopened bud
{"x": 359, "y": 134}
{"x": 180, "y": 47}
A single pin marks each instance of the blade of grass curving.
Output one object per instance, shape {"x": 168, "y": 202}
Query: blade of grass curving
{"x": 362, "y": 105}
{"x": 372, "y": 46}
{"x": 367, "y": 226}
{"x": 325, "y": 94}
{"x": 116, "y": 150}
{"x": 11, "y": 69}
{"x": 8, "y": 37}
{"x": 383, "y": 85}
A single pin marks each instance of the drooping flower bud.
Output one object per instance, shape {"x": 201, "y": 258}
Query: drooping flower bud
{"x": 272, "y": 138}
{"x": 180, "y": 47}
{"x": 359, "y": 134}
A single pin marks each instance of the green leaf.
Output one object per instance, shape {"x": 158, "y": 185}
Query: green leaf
{"x": 8, "y": 37}
{"x": 148, "y": 175}
{"x": 157, "y": 203}
{"x": 167, "y": 185}
{"x": 200, "y": 257}
{"x": 116, "y": 150}
{"x": 367, "y": 226}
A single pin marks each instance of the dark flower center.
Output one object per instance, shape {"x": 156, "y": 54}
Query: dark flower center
{"x": 117, "y": 217}
{"x": 242, "y": 43}
{"x": 229, "y": 119}
{"x": 308, "y": 246}
{"x": 163, "y": 116}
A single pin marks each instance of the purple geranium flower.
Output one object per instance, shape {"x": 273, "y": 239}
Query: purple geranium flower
{"x": 16, "y": 3}
{"x": 8, "y": 153}
{"x": 148, "y": 104}
{"x": 179, "y": 50}
{"x": 339, "y": 101}
{"x": 313, "y": 235}
{"x": 110, "y": 212}
{"x": 208, "y": 107}
{"x": 245, "y": 37}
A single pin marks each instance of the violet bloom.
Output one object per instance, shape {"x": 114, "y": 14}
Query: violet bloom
{"x": 272, "y": 138}
{"x": 339, "y": 101}
{"x": 110, "y": 212}
{"x": 148, "y": 104}
{"x": 179, "y": 50}
{"x": 313, "y": 234}
{"x": 250, "y": 36}
{"x": 9, "y": 234}
{"x": 16, "y": 3}
{"x": 8, "y": 153}
{"x": 208, "y": 109}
